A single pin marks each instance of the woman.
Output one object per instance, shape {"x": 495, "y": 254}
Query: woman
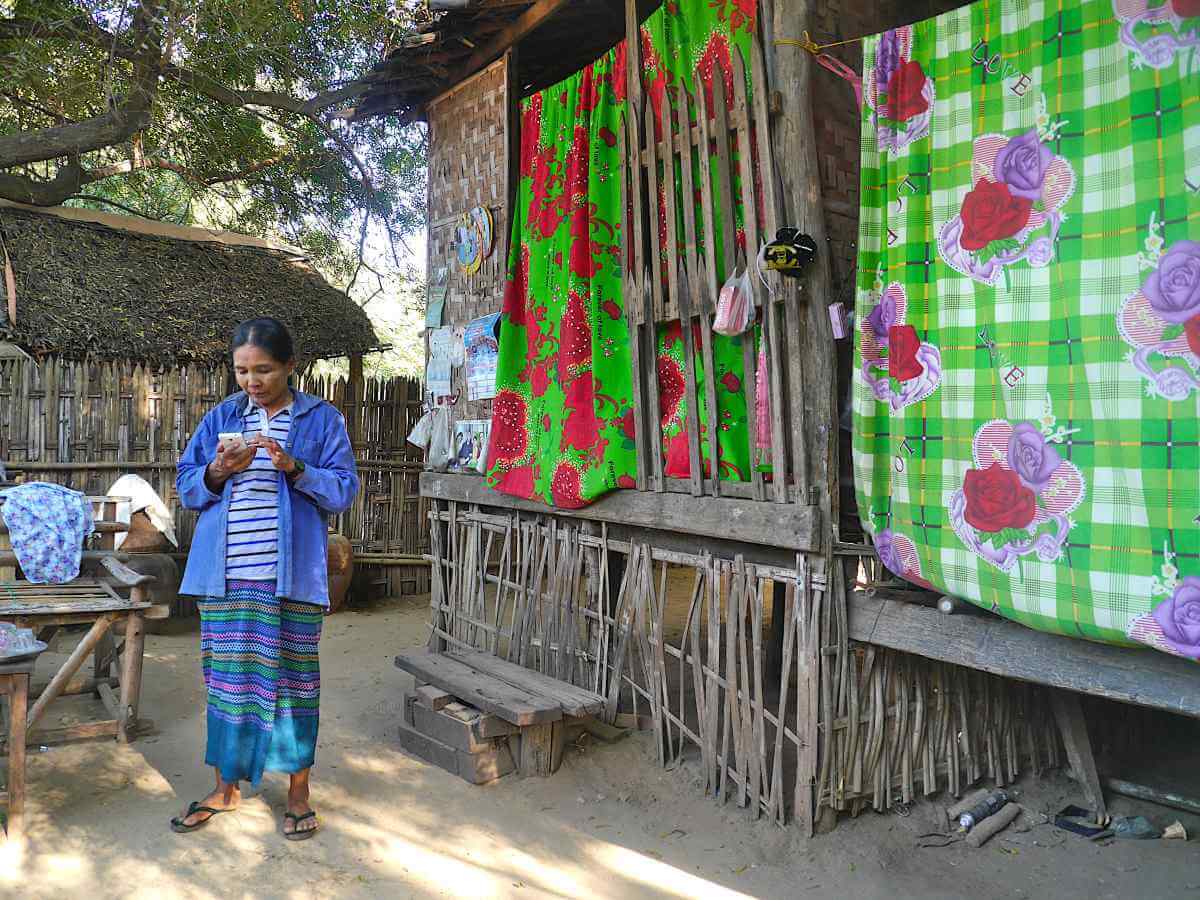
{"x": 258, "y": 561}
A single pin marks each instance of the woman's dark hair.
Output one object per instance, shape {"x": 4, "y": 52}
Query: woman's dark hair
{"x": 267, "y": 334}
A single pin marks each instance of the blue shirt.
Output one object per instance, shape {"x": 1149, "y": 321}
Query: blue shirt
{"x": 317, "y": 437}
{"x": 252, "y": 533}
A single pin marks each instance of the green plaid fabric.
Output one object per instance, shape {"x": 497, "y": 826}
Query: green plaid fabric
{"x": 1027, "y": 358}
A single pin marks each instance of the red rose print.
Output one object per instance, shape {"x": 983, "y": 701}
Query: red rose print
{"x": 626, "y": 424}
{"x": 716, "y": 57}
{"x": 581, "y": 430}
{"x": 677, "y": 464}
{"x": 516, "y": 290}
{"x": 1192, "y": 327}
{"x": 566, "y": 486}
{"x": 996, "y": 499}
{"x": 620, "y": 75}
{"x": 548, "y": 221}
{"x": 613, "y": 310}
{"x": 575, "y": 336}
{"x": 904, "y": 90}
{"x": 731, "y": 382}
{"x": 589, "y": 92}
{"x": 531, "y": 134}
{"x": 608, "y": 136}
{"x": 1186, "y": 8}
{"x": 510, "y": 438}
{"x": 516, "y": 482}
{"x": 626, "y": 482}
{"x": 670, "y": 388}
{"x": 539, "y": 379}
{"x": 992, "y": 213}
{"x": 903, "y": 344}
{"x": 545, "y": 422}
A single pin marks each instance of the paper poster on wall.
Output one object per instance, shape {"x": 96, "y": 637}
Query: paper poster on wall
{"x": 481, "y": 342}
{"x": 470, "y": 444}
{"x": 445, "y": 352}
{"x": 435, "y": 301}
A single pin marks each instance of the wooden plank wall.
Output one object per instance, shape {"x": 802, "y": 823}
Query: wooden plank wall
{"x": 85, "y": 423}
{"x": 469, "y": 156}
{"x": 681, "y": 639}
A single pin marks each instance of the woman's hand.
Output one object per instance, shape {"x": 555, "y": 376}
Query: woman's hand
{"x": 227, "y": 464}
{"x": 279, "y": 457}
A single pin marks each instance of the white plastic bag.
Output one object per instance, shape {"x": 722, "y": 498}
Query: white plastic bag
{"x": 422, "y": 431}
{"x": 735, "y": 306}
{"x": 441, "y": 444}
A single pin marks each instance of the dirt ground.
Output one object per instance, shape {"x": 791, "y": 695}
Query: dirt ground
{"x": 611, "y": 823}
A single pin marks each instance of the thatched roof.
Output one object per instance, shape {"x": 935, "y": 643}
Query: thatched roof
{"x": 556, "y": 38}
{"x": 119, "y": 287}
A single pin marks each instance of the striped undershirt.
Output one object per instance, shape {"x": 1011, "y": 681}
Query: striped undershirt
{"x": 252, "y": 536}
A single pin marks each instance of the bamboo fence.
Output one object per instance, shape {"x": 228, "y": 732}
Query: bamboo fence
{"x": 86, "y": 423}
{"x": 680, "y": 641}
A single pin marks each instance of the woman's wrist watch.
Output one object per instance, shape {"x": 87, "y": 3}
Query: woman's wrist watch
{"x": 297, "y": 469}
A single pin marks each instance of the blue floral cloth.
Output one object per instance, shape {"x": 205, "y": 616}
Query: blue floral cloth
{"x": 46, "y": 525}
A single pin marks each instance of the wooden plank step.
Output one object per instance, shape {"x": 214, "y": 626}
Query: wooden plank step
{"x": 575, "y": 701}
{"x": 509, "y": 702}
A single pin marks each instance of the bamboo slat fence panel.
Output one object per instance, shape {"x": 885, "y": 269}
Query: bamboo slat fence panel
{"x": 681, "y": 639}
{"x": 86, "y": 423}
{"x": 673, "y": 275}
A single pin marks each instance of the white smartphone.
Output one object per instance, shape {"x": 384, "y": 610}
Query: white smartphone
{"x": 232, "y": 441}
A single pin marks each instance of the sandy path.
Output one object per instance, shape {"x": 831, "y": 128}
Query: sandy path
{"x": 609, "y": 824}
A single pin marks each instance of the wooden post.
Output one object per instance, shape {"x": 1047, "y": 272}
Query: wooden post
{"x": 354, "y": 399}
{"x": 812, "y": 387}
{"x": 131, "y": 675}
{"x": 17, "y": 703}
{"x": 1069, "y": 714}
{"x": 795, "y": 142}
{"x": 541, "y": 749}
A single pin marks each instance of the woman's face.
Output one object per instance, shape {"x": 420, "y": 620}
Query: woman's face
{"x": 260, "y": 375}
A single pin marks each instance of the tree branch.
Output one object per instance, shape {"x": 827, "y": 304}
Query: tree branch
{"x": 120, "y": 123}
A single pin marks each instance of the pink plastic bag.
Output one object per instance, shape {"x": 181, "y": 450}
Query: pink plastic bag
{"x": 762, "y": 401}
{"x": 735, "y": 306}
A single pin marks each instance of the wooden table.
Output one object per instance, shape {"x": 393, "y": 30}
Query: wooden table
{"x": 14, "y": 682}
{"x": 97, "y": 603}
{"x": 111, "y": 601}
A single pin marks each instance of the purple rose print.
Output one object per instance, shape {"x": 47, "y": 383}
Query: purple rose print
{"x": 1179, "y": 618}
{"x": 882, "y": 317}
{"x": 887, "y": 58}
{"x": 888, "y": 555}
{"x": 1173, "y": 289}
{"x": 1034, "y": 461}
{"x": 1022, "y": 163}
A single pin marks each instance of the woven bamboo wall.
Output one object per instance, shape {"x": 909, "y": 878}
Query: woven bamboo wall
{"x": 85, "y": 424}
{"x": 468, "y": 167}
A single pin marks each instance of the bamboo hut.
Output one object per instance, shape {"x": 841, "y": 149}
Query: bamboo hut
{"x": 115, "y": 333}
{"x": 748, "y": 622}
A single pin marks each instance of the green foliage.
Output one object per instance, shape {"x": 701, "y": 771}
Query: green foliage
{"x": 254, "y": 168}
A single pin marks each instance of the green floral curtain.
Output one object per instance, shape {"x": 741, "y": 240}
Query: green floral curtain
{"x": 562, "y": 422}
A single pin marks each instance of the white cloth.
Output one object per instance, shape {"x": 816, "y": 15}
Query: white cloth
{"x": 142, "y": 498}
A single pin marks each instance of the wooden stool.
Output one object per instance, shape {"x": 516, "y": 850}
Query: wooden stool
{"x": 14, "y": 681}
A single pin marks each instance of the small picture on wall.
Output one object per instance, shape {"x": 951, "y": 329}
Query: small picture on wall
{"x": 470, "y": 444}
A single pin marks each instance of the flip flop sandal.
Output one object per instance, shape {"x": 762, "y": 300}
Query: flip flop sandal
{"x": 177, "y": 823}
{"x": 295, "y": 835}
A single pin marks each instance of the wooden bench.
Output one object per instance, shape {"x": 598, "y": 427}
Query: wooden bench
{"x": 532, "y": 710}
